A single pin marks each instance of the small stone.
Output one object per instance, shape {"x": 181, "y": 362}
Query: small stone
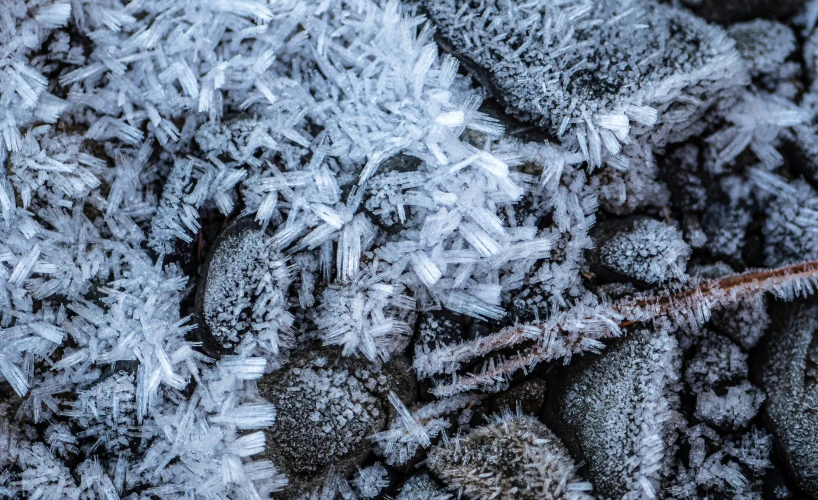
{"x": 436, "y": 329}
{"x": 788, "y": 367}
{"x": 242, "y": 296}
{"x": 638, "y": 249}
{"x": 512, "y": 457}
{"x": 763, "y": 44}
{"x": 716, "y": 363}
{"x": 725, "y": 227}
{"x": 327, "y": 406}
{"x": 613, "y": 411}
{"x": 791, "y": 227}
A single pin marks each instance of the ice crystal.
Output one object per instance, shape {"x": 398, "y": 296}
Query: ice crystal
{"x": 370, "y": 481}
{"x": 422, "y": 487}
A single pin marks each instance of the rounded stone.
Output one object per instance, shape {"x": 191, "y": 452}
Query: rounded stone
{"x": 243, "y": 290}
{"x": 327, "y": 406}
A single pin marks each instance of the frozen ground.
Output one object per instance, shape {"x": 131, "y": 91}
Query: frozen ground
{"x": 414, "y": 250}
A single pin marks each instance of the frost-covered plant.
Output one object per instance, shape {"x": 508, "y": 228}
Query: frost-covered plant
{"x": 512, "y": 456}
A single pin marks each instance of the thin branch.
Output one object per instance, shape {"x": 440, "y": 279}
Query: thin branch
{"x": 581, "y": 328}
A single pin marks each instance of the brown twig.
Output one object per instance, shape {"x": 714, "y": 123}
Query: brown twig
{"x": 554, "y": 341}
{"x": 736, "y": 286}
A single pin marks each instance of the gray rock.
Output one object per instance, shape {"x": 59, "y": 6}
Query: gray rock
{"x": 566, "y": 65}
{"x": 730, "y": 11}
{"x": 242, "y": 294}
{"x": 614, "y": 411}
{"x": 788, "y": 368}
{"x": 638, "y": 249}
{"x": 327, "y": 406}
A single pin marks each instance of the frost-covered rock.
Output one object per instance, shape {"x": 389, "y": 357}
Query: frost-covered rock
{"x": 640, "y": 249}
{"x": 725, "y": 227}
{"x": 791, "y": 227}
{"x": 242, "y": 300}
{"x": 513, "y": 456}
{"x": 613, "y": 413}
{"x": 763, "y": 44}
{"x": 580, "y": 69}
{"x": 635, "y": 188}
{"x": 390, "y": 196}
{"x": 787, "y": 373}
{"x": 717, "y": 362}
{"x": 728, "y": 11}
{"x": 716, "y": 374}
{"x": 327, "y": 406}
{"x": 681, "y": 169}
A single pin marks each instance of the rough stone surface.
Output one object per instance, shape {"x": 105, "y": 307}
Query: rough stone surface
{"x": 788, "y": 369}
{"x": 326, "y": 408}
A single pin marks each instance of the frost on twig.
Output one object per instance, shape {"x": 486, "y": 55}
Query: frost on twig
{"x": 582, "y": 328}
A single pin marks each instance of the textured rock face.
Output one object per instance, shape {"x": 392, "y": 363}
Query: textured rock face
{"x": 513, "y": 457}
{"x": 612, "y": 413}
{"x": 788, "y": 371}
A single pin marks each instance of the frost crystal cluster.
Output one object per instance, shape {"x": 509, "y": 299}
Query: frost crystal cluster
{"x": 410, "y": 249}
